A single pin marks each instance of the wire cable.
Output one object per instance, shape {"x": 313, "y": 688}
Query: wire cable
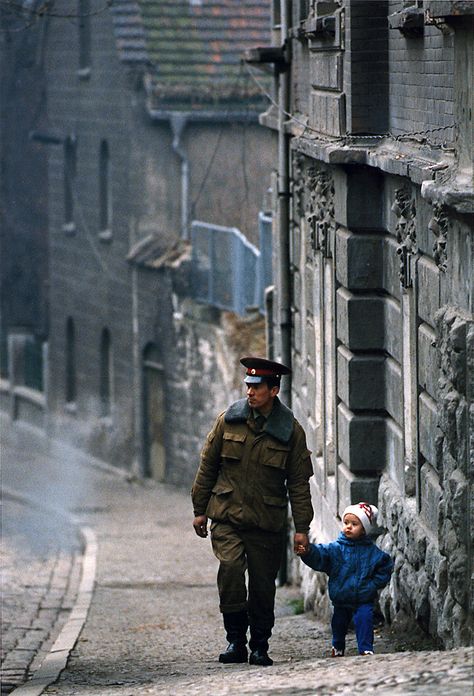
{"x": 216, "y": 147}
{"x": 70, "y": 181}
{"x": 342, "y": 138}
{"x": 45, "y": 9}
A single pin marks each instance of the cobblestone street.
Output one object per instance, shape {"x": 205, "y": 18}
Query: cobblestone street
{"x": 154, "y": 627}
{"x": 39, "y": 582}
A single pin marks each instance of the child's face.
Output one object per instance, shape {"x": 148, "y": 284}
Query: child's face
{"x": 352, "y": 527}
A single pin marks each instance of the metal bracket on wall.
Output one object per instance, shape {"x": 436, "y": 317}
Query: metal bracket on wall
{"x": 410, "y": 22}
{"x": 263, "y": 56}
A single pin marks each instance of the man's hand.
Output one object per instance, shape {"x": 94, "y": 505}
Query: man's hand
{"x": 200, "y": 525}
{"x": 301, "y": 544}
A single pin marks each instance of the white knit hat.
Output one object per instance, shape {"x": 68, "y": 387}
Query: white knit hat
{"x": 365, "y": 512}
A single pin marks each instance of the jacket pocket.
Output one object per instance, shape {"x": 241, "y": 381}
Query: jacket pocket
{"x": 219, "y": 501}
{"x": 232, "y": 447}
{"x": 275, "y": 501}
{"x": 275, "y": 455}
{"x": 273, "y": 513}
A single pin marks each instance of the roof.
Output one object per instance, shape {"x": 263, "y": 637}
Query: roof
{"x": 192, "y": 49}
{"x": 130, "y": 32}
{"x": 155, "y": 252}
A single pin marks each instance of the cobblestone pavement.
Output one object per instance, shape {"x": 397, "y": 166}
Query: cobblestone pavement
{"x": 154, "y": 627}
{"x": 39, "y": 577}
{"x": 40, "y": 547}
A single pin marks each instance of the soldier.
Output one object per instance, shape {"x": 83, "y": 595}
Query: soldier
{"x": 254, "y": 458}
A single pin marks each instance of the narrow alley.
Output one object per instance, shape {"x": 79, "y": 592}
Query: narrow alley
{"x": 153, "y": 625}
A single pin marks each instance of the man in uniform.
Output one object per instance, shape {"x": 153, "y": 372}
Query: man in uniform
{"x": 254, "y": 458}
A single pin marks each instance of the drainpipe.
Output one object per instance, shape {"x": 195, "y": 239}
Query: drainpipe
{"x": 178, "y": 123}
{"x": 283, "y": 206}
{"x": 283, "y": 233}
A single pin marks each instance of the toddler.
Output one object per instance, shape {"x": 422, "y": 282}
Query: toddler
{"x": 357, "y": 569}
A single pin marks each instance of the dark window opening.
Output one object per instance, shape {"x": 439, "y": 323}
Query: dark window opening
{"x": 105, "y": 387}
{"x": 276, "y": 14}
{"x": 70, "y": 361}
{"x": 70, "y": 168}
{"x": 105, "y": 199}
{"x": 84, "y": 19}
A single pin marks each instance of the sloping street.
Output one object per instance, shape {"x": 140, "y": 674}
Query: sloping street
{"x": 153, "y": 626}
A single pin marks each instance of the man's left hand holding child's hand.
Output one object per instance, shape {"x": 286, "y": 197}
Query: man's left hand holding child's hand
{"x": 301, "y": 544}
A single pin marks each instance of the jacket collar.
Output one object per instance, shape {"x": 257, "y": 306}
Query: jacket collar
{"x": 363, "y": 541}
{"x": 280, "y": 422}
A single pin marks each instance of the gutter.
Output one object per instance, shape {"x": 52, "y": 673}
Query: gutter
{"x": 178, "y": 121}
{"x": 205, "y": 116}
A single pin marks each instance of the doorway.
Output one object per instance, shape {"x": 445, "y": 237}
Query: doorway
{"x": 153, "y": 414}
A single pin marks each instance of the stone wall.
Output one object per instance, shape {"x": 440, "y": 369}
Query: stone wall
{"x": 381, "y": 266}
{"x": 375, "y": 345}
{"x": 205, "y": 378}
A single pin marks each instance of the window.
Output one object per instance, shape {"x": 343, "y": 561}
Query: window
{"x": 70, "y": 167}
{"x": 105, "y": 201}
{"x": 84, "y": 18}
{"x": 105, "y": 386}
{"x": 276, "y": 14}
{"x": 70, "y": 361}
{"x": 303, "y": 10}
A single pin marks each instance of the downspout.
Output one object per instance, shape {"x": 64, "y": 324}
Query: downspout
{"x": 283, "y": 233}
{"x": 283, "y": 205}
{"x": 178, "y": 123}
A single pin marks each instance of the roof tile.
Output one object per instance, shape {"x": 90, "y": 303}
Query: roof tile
{"x": 193, "y": 50}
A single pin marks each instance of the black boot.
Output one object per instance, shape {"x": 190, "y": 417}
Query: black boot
{"x": 259, "y": 646}
{"x": 235, "y": 624}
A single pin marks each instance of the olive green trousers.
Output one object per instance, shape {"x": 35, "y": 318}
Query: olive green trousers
{"x": 259, "y": 553}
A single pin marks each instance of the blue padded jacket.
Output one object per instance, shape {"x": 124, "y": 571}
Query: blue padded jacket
{"x": 356, "y": 569}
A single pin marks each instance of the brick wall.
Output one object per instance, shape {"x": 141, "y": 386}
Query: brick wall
{"x": 421, "y": 81}
{"x": 92, "y": 283}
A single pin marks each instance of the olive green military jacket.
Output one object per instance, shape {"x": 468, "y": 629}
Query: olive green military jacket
{"x": 246, "y": 476}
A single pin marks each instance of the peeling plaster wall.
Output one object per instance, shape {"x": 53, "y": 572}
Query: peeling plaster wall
{"x": 206, "y": 378}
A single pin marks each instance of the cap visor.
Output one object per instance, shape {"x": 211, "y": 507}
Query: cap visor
{"x": 253, "y": 379}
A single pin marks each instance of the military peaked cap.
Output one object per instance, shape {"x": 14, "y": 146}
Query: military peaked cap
{"x": 258, "y": 369}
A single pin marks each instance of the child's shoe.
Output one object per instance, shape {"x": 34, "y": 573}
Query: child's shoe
{"x": 336, "y": 653}
{"x": 367, "y": 652}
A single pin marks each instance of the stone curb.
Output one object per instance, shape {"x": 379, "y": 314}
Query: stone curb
{"x": 56, "y": 660}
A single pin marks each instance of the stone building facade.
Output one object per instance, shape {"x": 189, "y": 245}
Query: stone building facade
{"x": 374, "y": 298}
{"x": 23, "y": 197}
{"x": 147, "y": 122}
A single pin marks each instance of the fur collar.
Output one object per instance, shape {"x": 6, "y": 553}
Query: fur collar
{"x": 280, "y": 422}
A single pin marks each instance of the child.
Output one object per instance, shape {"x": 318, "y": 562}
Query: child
{"x": 357, "y": 568}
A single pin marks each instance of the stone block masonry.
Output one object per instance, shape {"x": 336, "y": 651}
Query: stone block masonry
{"x": 381, "y": 261}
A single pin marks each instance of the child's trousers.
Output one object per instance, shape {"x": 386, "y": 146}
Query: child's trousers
{"x": 363, "y": 617}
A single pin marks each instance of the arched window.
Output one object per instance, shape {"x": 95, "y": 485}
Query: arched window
{"x": 70, "y": 361}
{"x": 84, "y": 19}
{"x": 105, "y": 387}
{"x": 105, "y": 200}
{"x": 70, "y": 167}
